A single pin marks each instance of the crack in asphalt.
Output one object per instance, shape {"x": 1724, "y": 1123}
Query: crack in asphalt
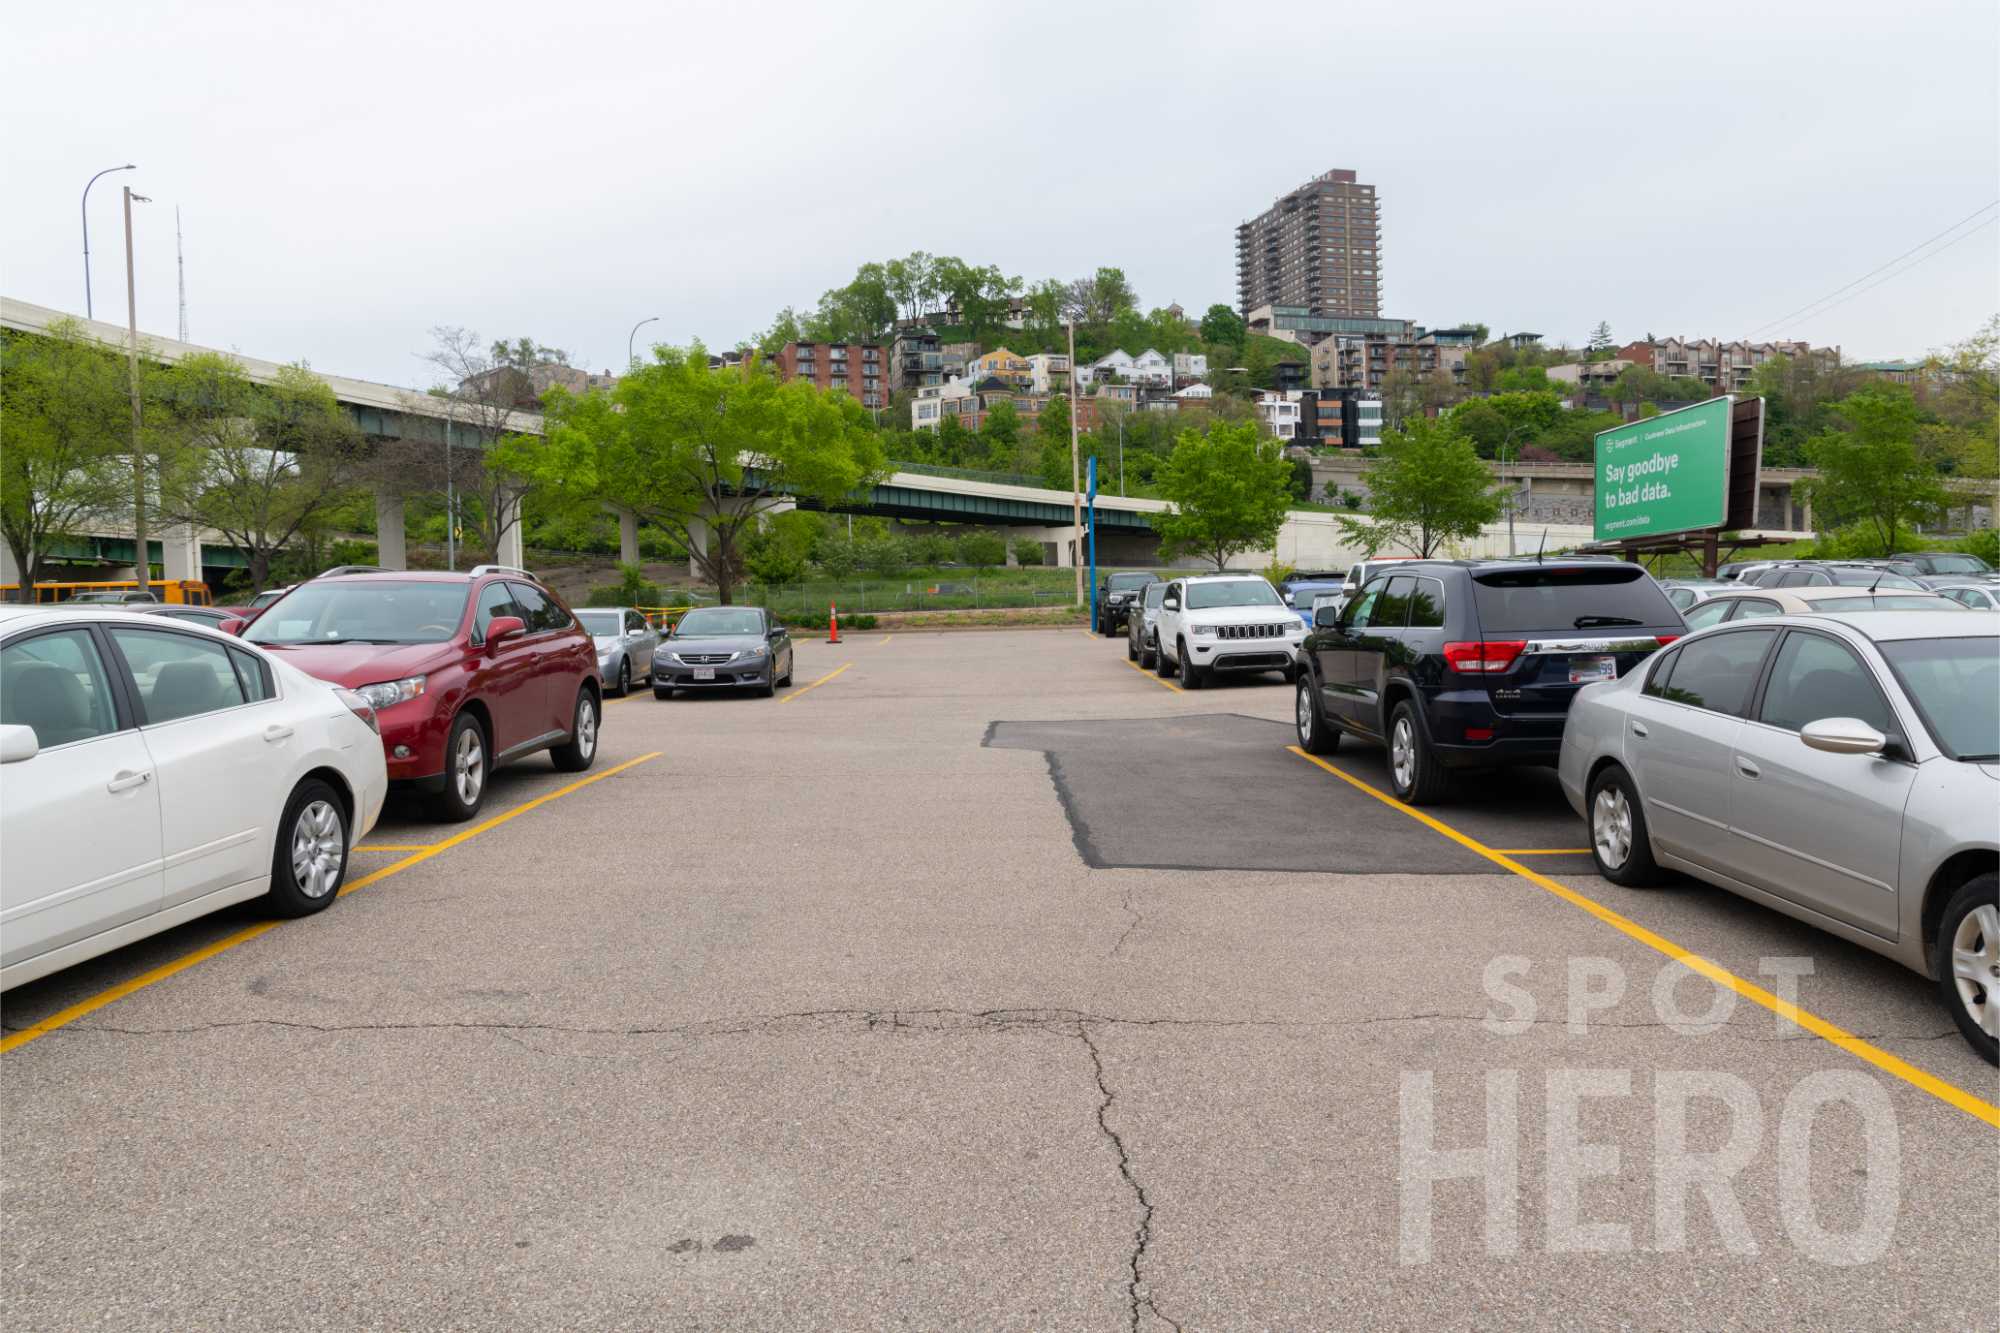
{"x": 1138, "y": 918}
{"x": 1142, "y": 1236}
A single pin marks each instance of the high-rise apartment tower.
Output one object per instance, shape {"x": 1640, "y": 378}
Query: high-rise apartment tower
{"x": 1319, "y": 248}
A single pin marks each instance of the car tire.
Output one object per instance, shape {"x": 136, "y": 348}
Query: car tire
{"x": 769, "y": 688}
{"x": 1969, "y": 940}
{"x": 1415, "y": 775}
{"x": 1192, "y": 676}
{"x": 1160, "y": 664}
{"x": 1619, "y": 843}
{"x": 1315, "y": 736}
{"x": 624, "y": 678}
{"x": 580, "y": 750}
{"x": 1147, "y": 656}
{"x": 662, "y": 692}
{"x": 310, "y": 858}
{"x": 791, "y": 665}
{"x": 1131, "y": 649}
{"x": 468, "y": 769}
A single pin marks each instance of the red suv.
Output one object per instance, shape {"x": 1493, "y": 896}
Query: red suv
{"x": 466, "y": 671}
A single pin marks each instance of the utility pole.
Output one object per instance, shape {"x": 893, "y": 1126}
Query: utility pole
{"x": 88, "y": 311}
{"x": 142, "y": 548}
{"x": 180, "y": 271}
{"x": 450, "y": 505}
{"x": 1075, "y": 470}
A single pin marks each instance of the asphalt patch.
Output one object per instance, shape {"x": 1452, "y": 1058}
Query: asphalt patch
{"x": 1222, "y": 792}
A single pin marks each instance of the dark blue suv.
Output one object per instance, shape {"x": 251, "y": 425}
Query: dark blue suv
{"x": 1471, "y": 664}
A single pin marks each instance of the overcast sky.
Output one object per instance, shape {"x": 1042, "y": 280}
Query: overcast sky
{"x": 352, "y": 174}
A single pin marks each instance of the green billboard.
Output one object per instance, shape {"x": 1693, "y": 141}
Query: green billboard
{"x": 1665, "y": 474}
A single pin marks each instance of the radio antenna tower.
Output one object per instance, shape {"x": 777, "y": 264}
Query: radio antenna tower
{"x": 180, "y": 267}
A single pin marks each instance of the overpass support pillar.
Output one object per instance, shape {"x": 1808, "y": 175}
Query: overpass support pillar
{"x": 391, "y": 552}
{"x": 180, "y": 553}
{"x": 511, "y": 551}
{"x": 628, "y": 535}
{"x": 697, "y": 541}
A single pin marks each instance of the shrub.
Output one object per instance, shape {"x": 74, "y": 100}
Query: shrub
{"x": 632, "y": 589}
{"x": 982, "y": 549}
{"x": 1985, "y": 544}
{"x": 1029, "y": 552}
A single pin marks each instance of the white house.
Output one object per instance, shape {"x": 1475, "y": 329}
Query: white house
{"x": 1190, "y": 365}
{"x": 1149, "y": 367}
{"x": 1116, "y": 363}
{"x": 1048, "y": 372}
{"x": 1280, "y": 413}
{"x": 1195, "y": 393}
{"x": 1369, "y": 413}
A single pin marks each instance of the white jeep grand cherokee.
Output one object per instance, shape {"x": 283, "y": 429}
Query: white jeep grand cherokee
{"x": 1226, "y": 623}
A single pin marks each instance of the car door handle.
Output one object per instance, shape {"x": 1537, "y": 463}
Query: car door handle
{"x": 1639, "y": 729}
{"x": 1746, "y": 768}
{"x": 276, "y": 732}
{"x": 128, "y": 779}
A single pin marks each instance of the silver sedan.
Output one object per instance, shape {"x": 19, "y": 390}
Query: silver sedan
{"x": 625, "y": 641}
{"x": 1841, "y": 769}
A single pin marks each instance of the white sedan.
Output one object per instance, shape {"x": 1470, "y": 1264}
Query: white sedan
{"x": 153, "y": 771}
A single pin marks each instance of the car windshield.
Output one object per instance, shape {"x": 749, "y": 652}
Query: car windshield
{"x": 1955, "y": 564}
{"x": 1569, "y": 597}
{"x": 1872, "y": 578}
{"x": 1127, "y": 582}
{"x": 602, "y": 624}
{"x": 1907, "y": 601}
{"x": 372, "y": 612}
{"x": 717, "y": 622}
{"x": 1231, "y": 592}
{"x": 1955, "y": 684}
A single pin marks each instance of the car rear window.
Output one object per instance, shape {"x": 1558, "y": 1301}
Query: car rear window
{"x": 1569, "y": 597}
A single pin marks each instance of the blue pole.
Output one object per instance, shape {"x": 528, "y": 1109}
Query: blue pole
{"x": 1092, "y": 495}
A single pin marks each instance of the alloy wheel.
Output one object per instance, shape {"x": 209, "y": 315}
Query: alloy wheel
{"x": 1305, "y": 711}
{"x": 1611, "y": 825}
{"x": 468, "y": 766}
{"x": 319, "y": 847}
{"x": 1403, "y": 754}
{"x": 586, "y": 726}
{"x": 1975, "y": 966}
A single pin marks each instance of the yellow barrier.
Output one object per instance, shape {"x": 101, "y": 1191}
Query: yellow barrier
{"x": 663, "y": 618}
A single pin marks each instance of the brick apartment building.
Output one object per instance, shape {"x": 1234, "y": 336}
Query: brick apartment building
{"x": 1318, "y": 247}
{"x": 1725, "y": 367}
{"x": 1363, "y": 361}
{"x": 859, "y": 369}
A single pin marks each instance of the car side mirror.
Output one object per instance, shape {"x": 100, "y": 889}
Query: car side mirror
{"x": 234, "y": 625}
{"x": 1326, "y": 617}
{"x": 1843, "y": 735}
{"x": 1170, "y": 604}
{"x": 777, "y": 632}
{"x": 503, "y": 627}
{"x": 18, "y": 743}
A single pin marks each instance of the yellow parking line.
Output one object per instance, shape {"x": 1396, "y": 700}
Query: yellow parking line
{"x": 1977, "y": 1107}
{"x": 83, "y": 1007}
{"x": 392, "y": 847}
{"x": 1157, "y": 680}
{"x": 1542, "y": 851}
{"x": 885, "y": 640}
{"x": 808, "y": 689}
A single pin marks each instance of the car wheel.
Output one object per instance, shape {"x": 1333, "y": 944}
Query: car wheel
{"x": 1160, "y": 663}
{"x": 310, "y": 859}
{"x": 580, "y": 750}
{"x": 662, "y": 692}
{"x": 791, "y": 665}
{"x": 1619, "y": 843}
{"x": 1131, "y": 649}
{"x": 1414, "y": 772}
{"x": 770, "y": 686}
{"x": 1968, "y": 963}
{"x": 1191, "y": 675}
{"x": 466, "y": 768}
{"x": 1315, "y": 736}
{"x": 1147, "y": 656}
{"x": 624, "y": 677}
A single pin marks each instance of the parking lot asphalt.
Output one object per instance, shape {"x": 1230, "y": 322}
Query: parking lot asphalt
{"x": 988, "y": 983}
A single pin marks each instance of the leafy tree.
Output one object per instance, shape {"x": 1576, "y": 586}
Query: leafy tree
{"x": 685, "y": 447}
{"x": 1301, "y": 483}
{"x": 1223, "y": 325}
{"x": 778, "y": 551}
{"x": 526, "y": 354}
{"x": 1229, "y": 487}
{"x": 786, "y": 328}
{"x": 955, "y": 443}
{"x": 1963, "y": 384}
{"x": 1600, "y": 338}
{"x": 931, "y": 549}
{"x": 982, "y": 550}
{"x": 1483, "y": 424}
{"x": 1870, "y": 471}
{"x": 1000, "y": 436}
{"x": 1427, "y": 488}
{"x": 1100, "y": 298}
{"x": 1521, "y": 379}
{"x": 259, "y": 464}
{"x": 65, "y": 441}
{"x": 1028, "y": 551}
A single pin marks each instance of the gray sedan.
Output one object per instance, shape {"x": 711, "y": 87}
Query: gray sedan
{"x": 724, "y": 648}
{"x": 1841, "y": 769}
{"x": 625, "y": 641}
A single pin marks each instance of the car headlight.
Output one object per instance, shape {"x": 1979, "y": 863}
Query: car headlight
{"x": 1204, "y": 631}
{"x": 389, "y": 693}
{"x": 752, "y": 654}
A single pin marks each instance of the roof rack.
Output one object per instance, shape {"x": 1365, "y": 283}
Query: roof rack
{"x": 477, "y": 570}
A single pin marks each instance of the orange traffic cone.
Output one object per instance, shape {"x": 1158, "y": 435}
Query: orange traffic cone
{"x": 832, "y": 623}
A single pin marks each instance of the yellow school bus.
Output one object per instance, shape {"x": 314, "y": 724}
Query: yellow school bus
{"x": 185, "y": 592}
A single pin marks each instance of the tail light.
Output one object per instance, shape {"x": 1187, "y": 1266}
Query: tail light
{"x": 361, "y": 708}
{"x": 1666, "y": 639}
{"x": 1484, "y": 657}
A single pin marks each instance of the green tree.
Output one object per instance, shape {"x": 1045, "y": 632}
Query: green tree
{"x": 786, "y": 328}
{"x": 982, "y": 550}
{"x": 1871, "y": 474}
{"x": 1229, "y": 487}
{"x": 1223, "y": 325}
{"x": 1301, "y": 483}
{"x": 1600, "y": 339}
{"x": 1000, "y": 437}
{"x": 65, "y": 441}
{"x": 1428, "y": 487}
{"x": 260, "y": 464}
{"x": 778, "y": 551}
{"x": 1521, "y": 379}
{"x": 688, "y": 448}
{"x": 1028, "y": 551}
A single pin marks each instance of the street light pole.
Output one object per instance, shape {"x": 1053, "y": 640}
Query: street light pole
{"x": 87, "y": 312}
{"x": 142, "y": 548}
{"x": 650, "y": 319}
{"x": 1075, "y": 471}
{"x": 1504, "y": 445}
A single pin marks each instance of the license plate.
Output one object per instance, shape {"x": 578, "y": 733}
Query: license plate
{"x": 1584, "y": 670}
{"x": 708, "y": 673}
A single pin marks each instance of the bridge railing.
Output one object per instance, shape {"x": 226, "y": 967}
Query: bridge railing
{"x": 971, "y": 474}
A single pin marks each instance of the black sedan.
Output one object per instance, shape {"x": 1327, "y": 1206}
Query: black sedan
{"x": 724, "y": 648}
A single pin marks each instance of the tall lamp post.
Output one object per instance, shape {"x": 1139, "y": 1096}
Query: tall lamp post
{"x": 87, "y": 312}
{"x": 1504, "y": 445}
{"x": 142, "y": 548}
{"x": 650, "y": 319}
{"x": 1075, "y": 471}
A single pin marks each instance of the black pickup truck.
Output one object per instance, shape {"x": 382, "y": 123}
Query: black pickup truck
{"x": 1117, "y": 594}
